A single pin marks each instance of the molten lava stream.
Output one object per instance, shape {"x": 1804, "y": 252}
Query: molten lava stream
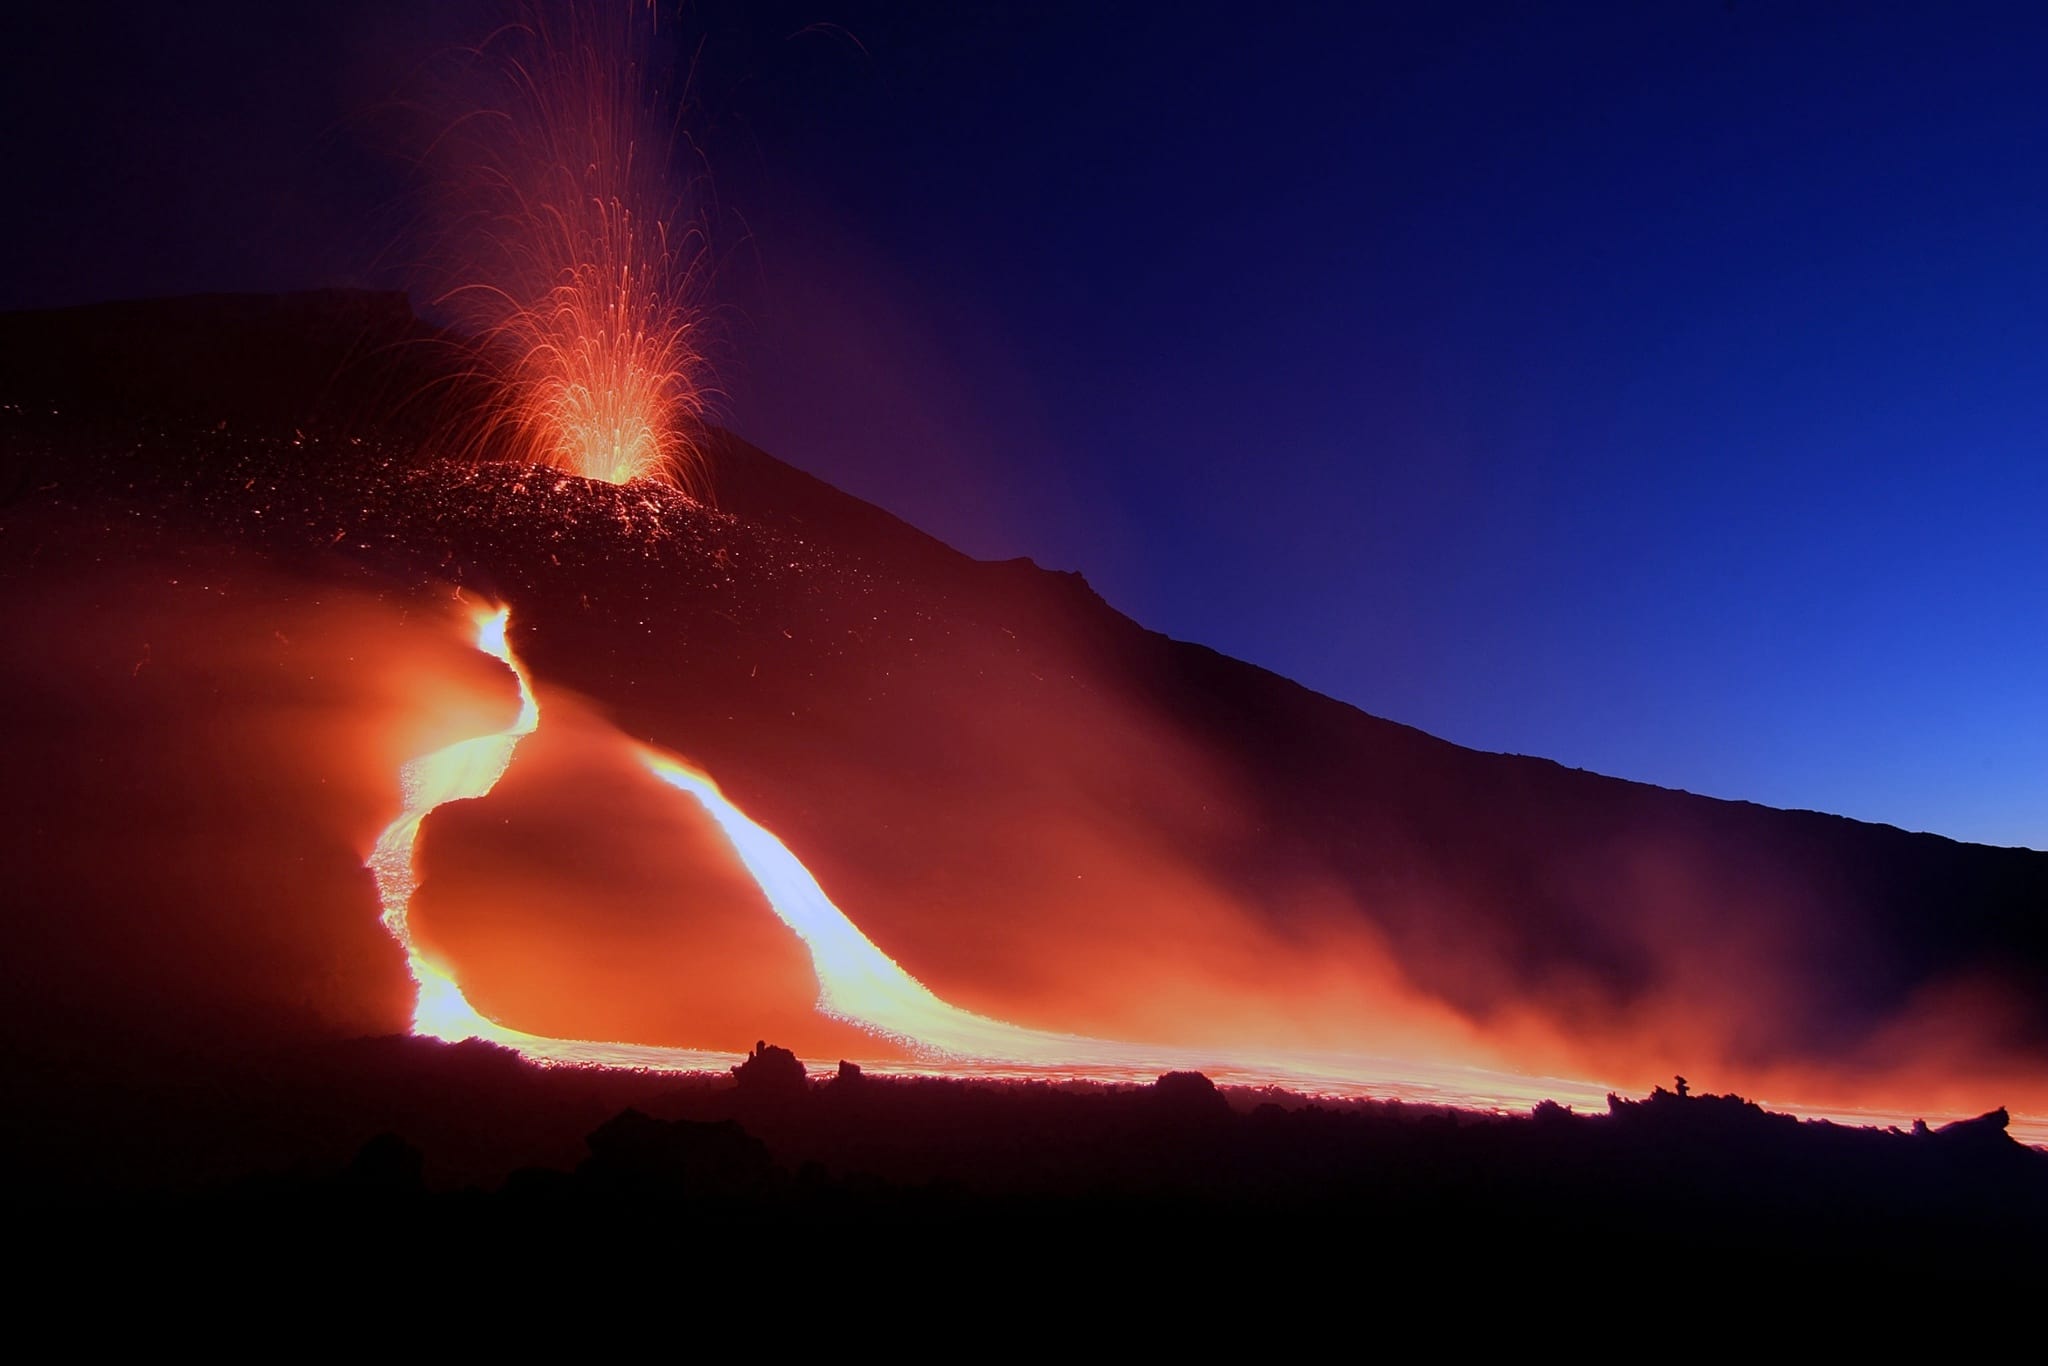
{"x": 861, "y": 985}
{"x": 858, "y": 983}
{"x": 464, "y": 770}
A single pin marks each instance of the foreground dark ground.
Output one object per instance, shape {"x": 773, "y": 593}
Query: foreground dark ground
{"x": 466, "y": 1147}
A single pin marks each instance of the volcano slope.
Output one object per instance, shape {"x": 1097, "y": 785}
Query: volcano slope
{"x": 1040, "y": 809}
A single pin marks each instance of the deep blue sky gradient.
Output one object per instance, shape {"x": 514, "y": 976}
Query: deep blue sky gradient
{"x": 1658, "y": 388}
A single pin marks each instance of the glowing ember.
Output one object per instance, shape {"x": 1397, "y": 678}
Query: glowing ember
{"x": 585, "y": 270}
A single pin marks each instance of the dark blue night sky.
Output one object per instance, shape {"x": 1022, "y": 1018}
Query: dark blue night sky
{"x": 1658, "y": 388}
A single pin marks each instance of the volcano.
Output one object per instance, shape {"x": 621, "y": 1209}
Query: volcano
{"x": 233, "y": 547}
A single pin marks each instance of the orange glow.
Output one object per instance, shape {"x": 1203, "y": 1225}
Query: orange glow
{"x": 582, "y": 272}
{"x": 860, "y": 984}
{"x": 466, "y": 770}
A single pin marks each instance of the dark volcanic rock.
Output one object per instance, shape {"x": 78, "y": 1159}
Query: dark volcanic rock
{"x": 771, "y": 1073}
{"x": 641, "y": 1157}
{"x": 1188, "y": 1097}
{"x": 388, "y": 1166}
{"x": 1985, "y": 1130}
{"x": 1701, "y": 1184}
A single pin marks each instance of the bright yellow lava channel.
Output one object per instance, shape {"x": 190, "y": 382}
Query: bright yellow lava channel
{"x": 860, "y": 984}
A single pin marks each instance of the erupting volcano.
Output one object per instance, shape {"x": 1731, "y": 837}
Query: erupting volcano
{"x": 1007, "y": 831}
{"x": 432, "y": 725}
{"x": 580, "y": 263}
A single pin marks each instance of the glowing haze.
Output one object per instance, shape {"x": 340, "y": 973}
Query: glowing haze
{"x": 580, "y": 266}
{"x": 860, "y": 984}
{"x": 857, "y": 981}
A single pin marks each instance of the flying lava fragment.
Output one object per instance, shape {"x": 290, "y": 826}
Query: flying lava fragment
{"x": 580, "y": 265}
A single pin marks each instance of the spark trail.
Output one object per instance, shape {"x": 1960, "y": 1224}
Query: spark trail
{"x": 581, "y": 265}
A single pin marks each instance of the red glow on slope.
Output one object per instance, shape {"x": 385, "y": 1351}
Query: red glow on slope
{"x": 860, "y": 984}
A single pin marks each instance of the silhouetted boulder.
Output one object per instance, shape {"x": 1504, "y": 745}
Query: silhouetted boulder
{"x": 1988, "y": 1128}
{"x": 771, "y": 1073}
{"x": 1188, "y": 1096}
{"x": 634, "y": 1154}
{"x": 849, "y": 1074}
{"x": 387, "y": 1167}
{"x": 1682, "y": 1115}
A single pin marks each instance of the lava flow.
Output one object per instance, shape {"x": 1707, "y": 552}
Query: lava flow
{"x": 462, "y": 771}
{"x": 861, "y": 985}
{"x": 858, "y": 982}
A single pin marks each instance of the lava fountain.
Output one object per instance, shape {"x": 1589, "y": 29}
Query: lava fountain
{"x": 581, "y": 269}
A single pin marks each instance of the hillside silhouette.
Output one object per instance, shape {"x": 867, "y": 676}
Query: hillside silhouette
{"x": 1032, "y": 752}
{"x": 1042, "y": 809}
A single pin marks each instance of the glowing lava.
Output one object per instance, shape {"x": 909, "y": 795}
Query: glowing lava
{"x": 466, "y": 769}
{"x": 583, "y": 271}
{"x": 860, "y": 984}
